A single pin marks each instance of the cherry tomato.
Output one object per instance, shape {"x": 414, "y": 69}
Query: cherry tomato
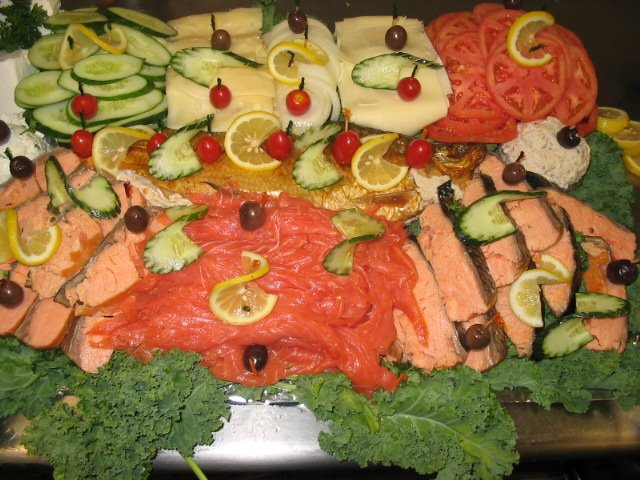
{"x": 81, "y": 143}
{"x": 155, "y": 141}
{"x": 344, "y": 146}
{"x": 84, "y": 105}
{"x": 220, "y": 95}
{"x": 418, "y": 153}
{"x": 279, "y": 145}
{"x": 409, "y": 88}
{"x": 298, "y": 102}
{"x": 208, "y": 149}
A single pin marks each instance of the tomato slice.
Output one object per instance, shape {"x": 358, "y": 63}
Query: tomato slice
{"x": 588, "y": 124}
{"x": 433, "y": 28}
{"x": 580, "y": 95}
{"x": 481, "y": 10}
{"x": 528, "y": 93}
{"x": 494, "y": 27}
{"x": 470, "y": 130}
{"x": 567, "y": 36}
{"x": 454, "y": 25}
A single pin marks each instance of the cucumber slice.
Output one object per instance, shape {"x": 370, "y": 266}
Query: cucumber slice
{"x": 52, "y": 120}
{"x": 44, "y": 53}
{"x": 133, "y": 86}
{"x": 153, "y": 72}
{"x": 141, "y": 21}
{"x": 110, "y": 110}
{"x": 171, "y": 249}
{"x": 383, "y": 71}
{"x": 567, "y": 337}
{"x": 57, "y": 186}
{"x": 357, "y": 226}
{"x": 61, "y": 20}
{"x": 201, "y": 64}
{"x": 339, "y": 260}
{"x": 39, "y": 89}
{"x": 154, "y": 116}
{"x": 188, "y": 212}
{"x": 312, "y": 170}
{"x": 484, "y": 221}
{"x": 315, "y": 134}
{"x": 176, "y": 158}
{"x": 144, "y": 46}
{"x": 106, "y": 68}
{"x": 599, "y": 305}
{"x": 97, "y": 198}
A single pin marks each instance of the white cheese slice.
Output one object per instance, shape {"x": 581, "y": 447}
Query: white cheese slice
{"x": 248, "y": 46}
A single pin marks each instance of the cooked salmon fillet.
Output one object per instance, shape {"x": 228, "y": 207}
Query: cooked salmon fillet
{"x": 592, "y": 223}
{"x": 520, "y": 334}
{"x": 610, "y": 333}
{"x": 533, "y": 216}
{"x": 78, "y": 347}
{"x": 46, "y": 324}
{"x": 442, "y": 348}
{"x": 463, "y": 288}
{"x": 507, "y": 257}
{"x": 483, "y": 359}
{"x": 11, "y": 318}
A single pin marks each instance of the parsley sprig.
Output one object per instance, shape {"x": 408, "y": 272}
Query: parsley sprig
{"x": 20, "y": 26}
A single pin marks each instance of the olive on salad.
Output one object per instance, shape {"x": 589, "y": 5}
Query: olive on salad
{"x": 622, "y": 272}
{"x": 568, "y": 137}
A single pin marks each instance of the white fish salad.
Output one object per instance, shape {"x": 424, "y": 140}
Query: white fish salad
{"x": 21, "y": 142}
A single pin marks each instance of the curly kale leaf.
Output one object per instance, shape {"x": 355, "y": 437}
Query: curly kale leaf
{"x": 20, "y": 26}
{"x": 448, "y": 423}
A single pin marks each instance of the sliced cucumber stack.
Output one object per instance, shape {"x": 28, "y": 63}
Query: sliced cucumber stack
{"x": 132, "y": 86}
{"x": 40, "y": 89}
{"x": 106, "y": 68}
{"x": 44, "y": 53}
{"x": 201, "y": 64}
{"x": 146, "y": 47}
{"x": 141, "y": 21}
{"x": 111, "y": 110}
{"x": 383, "y": 71}
{"x": 86, "y": 16}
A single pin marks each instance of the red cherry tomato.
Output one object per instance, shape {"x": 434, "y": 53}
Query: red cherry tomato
{"x": 344, "y": 146}
{"x": 279, "y": 145}
{"x": 220, "y": 96}
{"x": 298, "y": 102}
{"x": 418, "y": 153}
{"x": 81, "y": 143}
{"x": 84, "y": 105}
{"x": 409, "y": 88}
{"x": 155, "y": 141}
{"x": 208, "y": 149}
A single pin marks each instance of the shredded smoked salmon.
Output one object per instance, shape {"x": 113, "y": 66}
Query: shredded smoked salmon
{"x": 321, "y": 322}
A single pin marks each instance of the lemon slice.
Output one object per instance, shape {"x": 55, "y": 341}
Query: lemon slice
{"x": 629, "y": 138}
{"x": 111, "y": 144}
{"x": 371, "y": 170}
{"x": 245, "y": 137}
{"x": 632, "y": 164}
{"x": 5, "y": 251}
{"x": 238, "y": 301}
{"x": 38, "y": 247}
{"x": 316, "y": 49}
{"x": 521, "y": 39}
{"x": 285, "y": 57}
{"x": 524, "y": 295}
{"x": 611, "y": 120}
{"x": 555, "y": 266}
{"x": 75, "y": 45}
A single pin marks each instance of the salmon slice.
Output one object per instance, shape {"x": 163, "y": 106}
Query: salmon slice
{"x": 11, "y": 318}
{"x": 18, "y": 191}
{"x": 533, "y": 216}
{"x": 520, "y": 334}
{"x": 561, "y": 297}
{"x": 610, "y": 333}
{"x": 588, "y": 221}
{"x": 442, "y": 348}
{"x": 46, "y": 324}
{"x": 79, "y": 348}
{"x": 463, "y": 287}
{"x": 506, "y": 258}
{"x": 483, "y": 359}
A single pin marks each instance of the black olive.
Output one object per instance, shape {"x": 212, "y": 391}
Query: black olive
{"x": 568, "y": 137}
{"x": 136, "y": 219}
{"x": 512, "y": 4}
{"x": 11, "y": 294}
{"x": 514, "y": 173}
{"x": 297, "y": 20}
{"x": 221, "y": 40}
{"x": 396, "y": 37}
{"x": 622, "y": 272}
{"x": 5, "y": 132}
{"x": 255, "y": 357}
{"x": 252, "y": 215}
{"x": 21, "y": 167}
{"x": 476, "y": 337}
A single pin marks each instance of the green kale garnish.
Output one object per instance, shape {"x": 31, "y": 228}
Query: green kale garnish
{"x": 270, "y": 16}
{"x": 20, "y": 27}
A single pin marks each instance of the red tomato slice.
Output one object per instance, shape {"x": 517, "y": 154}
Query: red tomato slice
{"x": 566, "y": 35}
{"x": 492, "y": 25}
{"x": 528, "y": 93}
{"x": 454, "y": 131}
{"x": 433, "y": 28}
{"x": 588, "y": 125}
{"x": 582, "y": 87}
{"x": 481, "y": 10}
{"x": 456, "y": 24}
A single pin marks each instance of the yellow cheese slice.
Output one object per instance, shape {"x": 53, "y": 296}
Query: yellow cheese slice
{"x": 238, "y": 21}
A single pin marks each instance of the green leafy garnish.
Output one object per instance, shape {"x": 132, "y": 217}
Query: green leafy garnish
{"x": 19, "y": 28}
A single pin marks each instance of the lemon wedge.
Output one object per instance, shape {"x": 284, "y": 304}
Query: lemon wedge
{"x": 629, "y": 138}
{"x": 38, "y": 247}
{"x": 611, "y": 120}
{"x": 371, "y": 170}
{"x": 632, "y": 164}
{"x": 521, "y": 39}
{"x": 555, "y": 266}
{"x": 111, "y": 144}
{"x": 243, "y": 142}
{"x": 285, "y": 57}
{"x": 114, "y": 40}
{"x": 75, "y": 45}
{"x": 524, "y": 295}
{"x": 238, "y": 301}
{"x": 5, "y": 251}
